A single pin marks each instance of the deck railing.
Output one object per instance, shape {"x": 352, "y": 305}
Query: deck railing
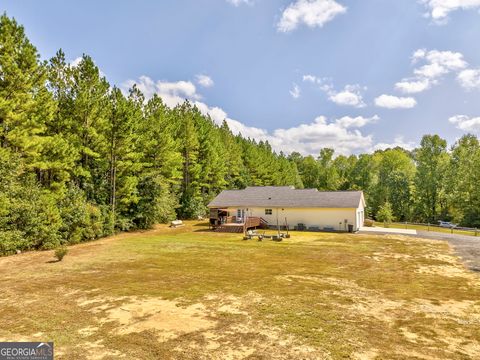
{"x": 249, "y": 221}
{"x": 233, "y": 222}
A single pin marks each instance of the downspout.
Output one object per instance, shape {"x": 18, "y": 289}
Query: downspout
{"x": 278, "y": 227}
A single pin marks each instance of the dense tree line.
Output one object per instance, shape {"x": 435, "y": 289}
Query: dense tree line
{"x": 429, "y": 183}
{"x": 79, "y": 159}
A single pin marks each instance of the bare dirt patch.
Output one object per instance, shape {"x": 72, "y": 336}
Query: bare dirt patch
{"x": 97, "y": 351}
{"x": 88, "y": 331}
{"x": 166, "y": 318}
{"x": 365, "y": 355}
{"x": 243, "y": 336}
{"x": 462, "y": 312}
{"x": 443, "y": 270}
{"x": 395, "y": 256}
{"x": 449, "y": 259}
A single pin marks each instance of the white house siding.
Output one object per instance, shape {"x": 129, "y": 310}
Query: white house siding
{"x": 360, "y": 217}
{"x": 310, "y": 217}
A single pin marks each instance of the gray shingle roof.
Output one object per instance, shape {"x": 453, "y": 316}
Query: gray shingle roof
{"x": 286, "y": 196}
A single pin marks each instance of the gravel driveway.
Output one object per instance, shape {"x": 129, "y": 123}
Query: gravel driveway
{"x": 467, "y": 247}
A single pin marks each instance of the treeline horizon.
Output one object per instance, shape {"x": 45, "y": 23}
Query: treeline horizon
{"x": 80, "y": 160}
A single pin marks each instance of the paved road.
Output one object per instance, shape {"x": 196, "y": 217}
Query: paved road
{"x": 467, "y": 247}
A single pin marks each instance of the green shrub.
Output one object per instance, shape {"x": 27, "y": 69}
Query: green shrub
{"x": 75, "y": 219}
{"x": 191, "y": 207}
{"x": 11, "y": 241}
{"x": 157, "y": 203}
{"x": 385, "y": 213}
{"x": 94, "y": 228}
{"x": 369, "y": 223}
{"x": 60, "y": 252}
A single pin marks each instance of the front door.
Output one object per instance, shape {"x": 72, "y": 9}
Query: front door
{"x": 240, "y": 215}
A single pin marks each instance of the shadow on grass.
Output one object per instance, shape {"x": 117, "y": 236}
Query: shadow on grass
{"x": 201, "y": 224}
{"x": 52, "y": 261}
{"x": 204, "y": 231}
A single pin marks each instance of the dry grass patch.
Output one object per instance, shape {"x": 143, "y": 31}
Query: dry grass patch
{"x": 187, "y": 293}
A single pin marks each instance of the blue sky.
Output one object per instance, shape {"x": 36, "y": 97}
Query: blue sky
{"x": 302, "y": 74}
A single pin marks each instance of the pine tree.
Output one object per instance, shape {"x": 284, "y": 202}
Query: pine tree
{"x": 158, "y": 131}
{"x": 232, "y": 158}
{"x": 25, "y": 103}
{"x": 88, "y": 113}
{"x": 123, "y": 158}
{"x": 191, "y": 204}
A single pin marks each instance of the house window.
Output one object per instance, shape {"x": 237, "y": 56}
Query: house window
{"x": 268, "y": 211}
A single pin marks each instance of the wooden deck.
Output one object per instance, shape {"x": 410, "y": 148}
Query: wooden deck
{"x": 231, "y": 226}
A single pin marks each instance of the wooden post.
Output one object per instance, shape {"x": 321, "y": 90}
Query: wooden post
{"x": 428, "y": 226}
{"x": 476, "y": 232}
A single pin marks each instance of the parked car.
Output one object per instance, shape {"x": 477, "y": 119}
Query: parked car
{"x": 446, "y": 224}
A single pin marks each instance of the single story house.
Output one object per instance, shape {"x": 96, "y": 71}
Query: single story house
{"x": 302, "y": 209}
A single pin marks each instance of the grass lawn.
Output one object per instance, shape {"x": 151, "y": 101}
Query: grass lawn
{"x": 188, "y": 293}
{"x": 429, "y": 228}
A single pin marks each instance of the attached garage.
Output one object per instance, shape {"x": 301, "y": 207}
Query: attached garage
{"x": 302, "y": 209}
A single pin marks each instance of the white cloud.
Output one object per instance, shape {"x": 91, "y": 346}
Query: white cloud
{"x": 342, "y": 134}
{"x": 436, "y": 64}
{"x": 395, "y": 102}
{"x": 418, "y": 54}
{"x": 431, "y": 71}
{"x": 240, "y": 2}
{"x": 359, "y": 121}
{"x": 439, "y": 9}
{"x": 310, "y": 138}
{"x": 310, "y": 78}
{"x": 413, "y": 86}
{"x": 313, "y": 13}
{"x": 469, "y": 79}
{"x": 218, "y": 115}
{"x": 295, "y": 92}
{"x": 466, "y": 123}
{"x": 397, "y": 142}
{"x": 204, "y": 80}
{"x": 351, "y": 95}
{"x": 439, "y": 62}
{"x": 172, "y": 93}
{"x": 185, "y": 89}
